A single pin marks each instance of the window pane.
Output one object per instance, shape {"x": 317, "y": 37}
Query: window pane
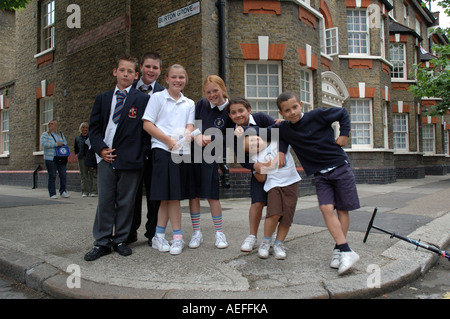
{"x": 251, "y": 68}
{"x": 262, "y": 68}
{"x": 273, "y": 69}
{"x": 262, "y": 80}
{"x": 251, "y": 91}
{"x": 251, "y": 79}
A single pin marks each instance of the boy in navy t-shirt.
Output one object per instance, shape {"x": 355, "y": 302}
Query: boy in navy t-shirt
{"x": 311, "y": 136}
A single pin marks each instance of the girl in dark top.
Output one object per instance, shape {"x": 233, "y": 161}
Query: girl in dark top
{"x": 211, "y": 113}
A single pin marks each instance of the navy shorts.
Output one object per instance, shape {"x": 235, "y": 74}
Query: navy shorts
{"x": 257, "y": 192}
{"x": 338, "y": 188}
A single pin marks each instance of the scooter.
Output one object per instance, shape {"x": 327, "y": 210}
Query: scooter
{"x": 418, "y": 244}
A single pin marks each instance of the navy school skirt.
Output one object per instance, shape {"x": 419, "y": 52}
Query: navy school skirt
{"x": 206, "y": 180}
{"x": 170, "y": 180}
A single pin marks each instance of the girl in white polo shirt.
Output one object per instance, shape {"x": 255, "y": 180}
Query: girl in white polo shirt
{"x": 169, "y": 117}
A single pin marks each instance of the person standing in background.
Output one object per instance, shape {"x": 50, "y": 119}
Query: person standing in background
{"x": 88, "y": 176}
{"x": 50, "y": 140}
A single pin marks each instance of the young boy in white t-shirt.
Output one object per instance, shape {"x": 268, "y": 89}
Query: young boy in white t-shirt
{"x": 281, "y": 185}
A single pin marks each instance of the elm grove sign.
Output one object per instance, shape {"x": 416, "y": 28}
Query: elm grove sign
{"x": 179, "y": 14}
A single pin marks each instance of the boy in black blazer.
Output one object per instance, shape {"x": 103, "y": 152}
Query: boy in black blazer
{"x": 150, "y": 67}
{"x": 116, "y": 136}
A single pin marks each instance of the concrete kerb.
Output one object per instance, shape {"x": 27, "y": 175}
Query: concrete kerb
{"x": 41, "y": 276}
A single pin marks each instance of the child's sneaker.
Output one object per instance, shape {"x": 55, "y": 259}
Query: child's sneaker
{"x": 177, "y": 247}
{"x": 279, "y": 251}
{"x": 263, "y": 250}
{"x": 161, "y": 244}
{"x": 348, "y": 259}
{"x": 335, "y": 259}
{"x": 221, "y": 240}
{"x": 196, "y": 240}
{"x": 273, "y": 239}
{"x": 249, "y": 243}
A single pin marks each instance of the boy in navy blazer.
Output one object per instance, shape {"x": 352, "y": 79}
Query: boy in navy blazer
{"x": 117, "y": 139}
{"x": 150, "y": 67}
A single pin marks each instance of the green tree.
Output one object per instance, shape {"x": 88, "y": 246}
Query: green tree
{"x": 13, "y": 4}
{"x": 435, "y": 81}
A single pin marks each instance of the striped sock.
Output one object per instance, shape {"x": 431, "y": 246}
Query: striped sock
{"x": 217, "y": 220}
{"x": 160, "y": 231}
{"x": 195, "y": 218}
{"x": 178, "y": 234}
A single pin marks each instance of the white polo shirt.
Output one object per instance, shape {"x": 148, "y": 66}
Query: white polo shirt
{"x": 278, "y": 176}
{"x": 170, "y": 116}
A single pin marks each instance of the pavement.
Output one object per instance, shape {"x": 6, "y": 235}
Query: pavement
{"x": 43, "y": 242}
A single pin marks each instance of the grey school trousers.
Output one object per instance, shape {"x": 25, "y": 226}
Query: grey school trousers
{"x": 116, "y": 197}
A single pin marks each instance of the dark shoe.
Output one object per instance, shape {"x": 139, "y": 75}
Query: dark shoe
{"x": 123, "y": 249}
{"x": 131, "y": 239}
{"x": 97, "y": 252}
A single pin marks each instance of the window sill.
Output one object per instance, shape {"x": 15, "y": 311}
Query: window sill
{"x": 44, "y": 53}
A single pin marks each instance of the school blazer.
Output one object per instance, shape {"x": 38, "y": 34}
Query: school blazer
{"x": 128, "y": 139}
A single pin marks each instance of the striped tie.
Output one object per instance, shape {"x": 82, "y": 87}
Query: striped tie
{"x": 144, "y": 90}
{"x": 121, "y": 95}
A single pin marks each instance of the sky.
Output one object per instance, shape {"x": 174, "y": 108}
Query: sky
{"x": 444, "y": 19}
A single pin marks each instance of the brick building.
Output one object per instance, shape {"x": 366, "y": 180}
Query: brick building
{"x": 356, "y": 54}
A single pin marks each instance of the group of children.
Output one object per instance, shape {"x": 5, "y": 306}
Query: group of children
{"x": 120, "y": 118}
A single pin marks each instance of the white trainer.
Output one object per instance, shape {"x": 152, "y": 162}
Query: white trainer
{"x": 196, "y": 239}
{"x": 279, "y": 251}
{"x": 249, "y": 243}
{"x": 348, "y": 259}
{"x": 161, "y": 244}
{"x": 65, "y": 195}
{"x": 335, "y": 259}
{"x": 263, "y": 250}
{"x": 177, "y": 247}
{"x": 221, "y": 240}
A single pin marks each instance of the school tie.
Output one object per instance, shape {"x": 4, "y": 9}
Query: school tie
{"x": 121, "y": 95}
{"x": 144, "y": 90}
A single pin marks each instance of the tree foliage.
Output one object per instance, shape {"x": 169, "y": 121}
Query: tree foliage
{"x": 13, "y": 4}
{"x": 435, "y": 81}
